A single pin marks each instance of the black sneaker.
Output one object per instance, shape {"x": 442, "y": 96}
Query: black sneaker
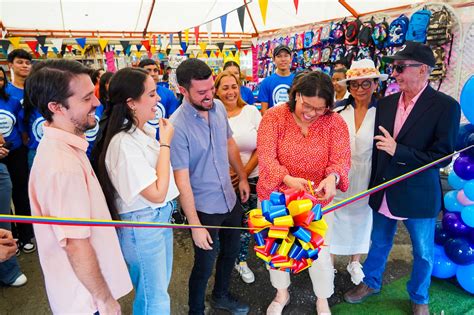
{"x": 28, "y": 248}
{"x": 230, "y": 304}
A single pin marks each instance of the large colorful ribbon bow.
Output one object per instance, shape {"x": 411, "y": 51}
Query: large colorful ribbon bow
{"x": 289, "y": 230}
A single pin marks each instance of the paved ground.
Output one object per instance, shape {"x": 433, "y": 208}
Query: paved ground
{"x": 31, "y": 298}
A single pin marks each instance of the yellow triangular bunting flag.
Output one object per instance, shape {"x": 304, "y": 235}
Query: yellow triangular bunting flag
{"x": 15, "y": 41}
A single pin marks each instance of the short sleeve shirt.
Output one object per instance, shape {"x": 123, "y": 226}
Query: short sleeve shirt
{"x": 10, "y": 121}
{"x": 131, "y": 164}
{"x": 72, "y": 191}
{"x": 274, "y": 89}
{"x": 200, "y": 146}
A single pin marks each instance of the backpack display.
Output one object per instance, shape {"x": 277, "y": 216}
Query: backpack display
{"x": 316, "y": 36}
{"x": 326, "y": 54}
{"x": 418, "y": 26}
{"x": 325, "y": 33}
{"x": 380, "y": 34}
{"x": 439, "y": 29}
{"x": 352, "y": 32}
{"x": 338, "y": 53}
{"x": 397, "y": 31}
{"x": 308, "y": 39}
{"x": 365, "y": 33}
{"x": 351, "y": 53}
{"x": 337, "y": 32}
{"x": 316, "y": 59}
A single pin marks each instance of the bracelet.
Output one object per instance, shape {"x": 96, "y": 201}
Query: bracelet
{"x": 165, "y": 145}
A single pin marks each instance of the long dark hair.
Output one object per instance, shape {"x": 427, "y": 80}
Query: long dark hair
{"x": 103, "y": 94}
{"x": 3, "y": 89}
{"x": 127, "y": 83}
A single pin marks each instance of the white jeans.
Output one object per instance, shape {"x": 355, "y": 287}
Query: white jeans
{"x": 321, "y": 272}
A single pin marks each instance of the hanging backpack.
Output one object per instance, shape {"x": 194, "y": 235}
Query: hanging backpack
{"x": 337, "y": 32}
{"x": 316, "y": 59}
{"x": 352, "y": 32}
{"x": 364, "y": 53}
{"x": 351, "y": 53}
{"x": 326, "y": 32}
{"x": 397, "y": 31}
{"x": 365, "y": 33}
{"x": 380, "y": 34}
{"x": 326, "y": 54}
{"x": 440, "y": 28}
{"x": 308, "y": 39}
{"x": 316, "y": 36}
{"x": 338, "y": 53}
{"x": 418, "y": 26}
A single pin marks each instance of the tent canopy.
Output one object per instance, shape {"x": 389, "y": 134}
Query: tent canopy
{"x": 171, "y": 16}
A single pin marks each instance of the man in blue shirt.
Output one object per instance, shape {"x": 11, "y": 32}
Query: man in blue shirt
{"x": 201, "y": 152}
{"x": 19, "y": 60}
{"x": 274, "y": 89}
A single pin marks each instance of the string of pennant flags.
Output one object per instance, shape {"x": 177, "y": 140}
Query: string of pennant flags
{"x": 38, "y": 45}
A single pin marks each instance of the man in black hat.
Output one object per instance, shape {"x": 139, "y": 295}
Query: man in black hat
{"x": 414, "y": 127}
{"x": 274, "y": 89}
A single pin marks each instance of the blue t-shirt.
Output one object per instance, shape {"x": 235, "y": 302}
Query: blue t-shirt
{"x": 34, "y": 128}
{"x": 91, "y": 134}
{"x": 10, "y": 122}
{"x": 274, "y": 89}
{"x": 166, "y": 107}
{"x": 15, "y": 92}
{"x": 247, "y": 95}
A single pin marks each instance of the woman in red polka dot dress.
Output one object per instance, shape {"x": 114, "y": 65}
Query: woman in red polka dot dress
{"x": 299, "y": 141}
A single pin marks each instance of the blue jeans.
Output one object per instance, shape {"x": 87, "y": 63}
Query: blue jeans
{"x": 148, "y": 253}
{"x": 422, "y": 238}
{"x": 9, "y": 269}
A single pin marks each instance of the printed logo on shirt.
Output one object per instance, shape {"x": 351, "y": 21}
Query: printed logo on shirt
{"x": 38, "y": 128}
{"x": 7, "y": 121}
{"x": 91, "y": 134}
{"x": 160, "y": 113}
{"x": 280, "y": 93}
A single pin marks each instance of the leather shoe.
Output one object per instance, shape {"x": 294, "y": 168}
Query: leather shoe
{"x": 230, "y": 304}
{"x": 359, "y": 293}
{"x": 420, "y": 309}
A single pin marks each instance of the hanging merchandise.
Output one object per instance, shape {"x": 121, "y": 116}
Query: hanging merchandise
{"x": 326, "y": 32}
{"x": 352, "y": 32}
{"x": 365, "y": 33}
{"x": 308, "y": 39}
{"x": 397, "y": 31}
{"x": 380, "y": 34}
{"x": 326, "y": 54}
{"x": 418, "y": 26}
{"x": 440, "y": 27}
{"x": 338, "y": 53}
{"x": 299, "y": 41}
{"x": 316, "y": 36}
{"x": 338, "y": 32}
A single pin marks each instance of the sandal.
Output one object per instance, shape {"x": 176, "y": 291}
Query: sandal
{"x": 276, "y": 308}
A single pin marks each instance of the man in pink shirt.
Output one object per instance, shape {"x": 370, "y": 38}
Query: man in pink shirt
{"x": 413, "y": 128}
{"x": 83, "y": 267}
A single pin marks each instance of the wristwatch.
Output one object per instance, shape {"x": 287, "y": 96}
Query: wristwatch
{"x": 337, "y": 177}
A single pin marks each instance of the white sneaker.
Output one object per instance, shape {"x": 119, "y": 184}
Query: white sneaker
{"x": 21, "y": 280}
{"x": 245, "y": 273}
{"x": 355, "y": 270}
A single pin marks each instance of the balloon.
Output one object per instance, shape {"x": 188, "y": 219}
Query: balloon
{"x": 469, "y": 189}
{"x": 464, "y": 167}
{"x": 467, "y": 95}
{"x": 470, "y": 236}
{"x": 455, "y": 181}
{"x": 443, "y": 267}
{"x": 463, "y": 199}
{"x": 465, "y": 276}
{"x": 467, "y": 216}
{"x": 451, "y": 201}
{"x": 469, "y": 142}
{"x": 438, "y": 250}
{"x": 459, "y": 251}
{"x": 453, "y": 225}
{"x": 441, "y": 236}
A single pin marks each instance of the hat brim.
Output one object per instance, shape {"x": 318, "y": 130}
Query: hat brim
{"x": 390, "y": 59}
{"x": 381, "y": 77}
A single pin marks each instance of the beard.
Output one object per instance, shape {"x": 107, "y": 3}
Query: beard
{"x": 81, "y": 126}
{"x": 200, "y": 107}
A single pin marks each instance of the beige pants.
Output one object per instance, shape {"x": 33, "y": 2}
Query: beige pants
{"x": 321, "y": 272}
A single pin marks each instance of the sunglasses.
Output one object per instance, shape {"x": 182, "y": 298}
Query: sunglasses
{"x": 365, "y": 85}
{"x": 401, "y": 68}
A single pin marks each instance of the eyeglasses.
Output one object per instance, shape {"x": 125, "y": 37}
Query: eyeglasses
{"x": 308, "y": 108}
{"x": 365, "y": 85}
{"x": 401, "y": 68}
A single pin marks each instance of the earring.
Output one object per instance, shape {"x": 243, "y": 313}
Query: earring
{"x": 134, "y": 110}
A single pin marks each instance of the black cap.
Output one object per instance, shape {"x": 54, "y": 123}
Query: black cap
{"x": 413, "y": 51}
{"x": 279, "y": 48}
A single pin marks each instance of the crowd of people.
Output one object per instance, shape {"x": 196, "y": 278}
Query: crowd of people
{"x": 121, "y": 146}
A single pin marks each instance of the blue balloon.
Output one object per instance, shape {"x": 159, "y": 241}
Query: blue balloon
{"x": 467, "y": 95}
{"x": 443, "y": 267}
{"x": 464, "y": 167}
{"x": 453, "y": 224}
{"x": 438, "y": 250}
{"x": 441, "y": 236}
{"x": 467, "y": 216}
{"x": 469, "y": 189}
{"x": 465, "y": 276}
{"x": 451, "y": 201}
{"x": 465, "y": 131}
{"x": 455, "y": 181}
{"x": 459, "y": 251}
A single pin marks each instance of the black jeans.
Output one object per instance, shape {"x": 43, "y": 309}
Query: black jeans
{"x": 17, "y": 164}
{"x": 226, "y": 247}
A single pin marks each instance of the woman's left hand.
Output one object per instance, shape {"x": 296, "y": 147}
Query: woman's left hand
{"x": 327, "y": 188}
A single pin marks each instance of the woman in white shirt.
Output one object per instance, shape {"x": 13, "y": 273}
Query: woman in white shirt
{"x": 244, "y": 121}
{"x": 137, "y": 179}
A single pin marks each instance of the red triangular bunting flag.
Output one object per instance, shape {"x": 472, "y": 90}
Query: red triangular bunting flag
{"x": 296, "y": 5}
{"x": 181, "y": 52}
{"x": 33, "y": 44}
{"x": 246, "y": 51}
{"x": 196, "y": 33}
{"x": 238, "y": 44}
{"x": 217, "y": 53}
{"x": 69, "y": 48}
{"x": 146, "y": 44}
